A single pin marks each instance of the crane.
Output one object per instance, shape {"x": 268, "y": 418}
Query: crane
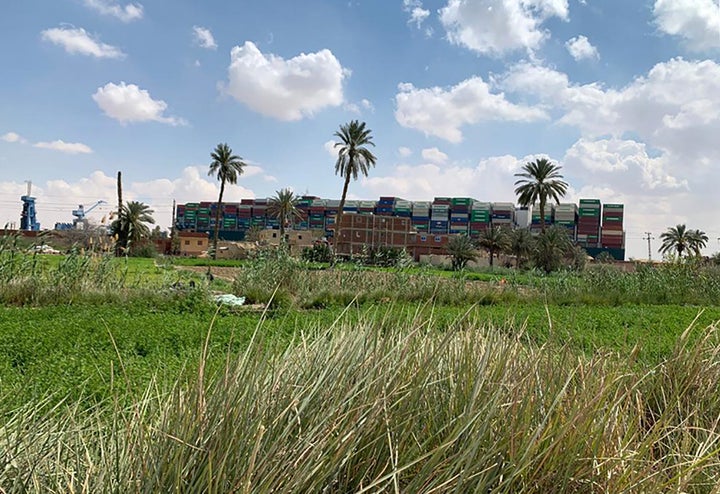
{"x": 80, "y": 212}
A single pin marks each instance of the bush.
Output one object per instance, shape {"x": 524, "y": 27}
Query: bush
{"x": 317, "y": 253}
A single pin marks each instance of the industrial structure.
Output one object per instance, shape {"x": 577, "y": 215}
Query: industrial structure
{"x": 419, "y": 226}
{"x": 28, "y": 219}
{"x": 79, "y": 221}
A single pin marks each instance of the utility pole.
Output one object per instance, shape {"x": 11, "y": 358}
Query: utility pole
{"x": 648, "y": 238}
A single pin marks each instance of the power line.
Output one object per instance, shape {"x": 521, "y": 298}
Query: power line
{"x": 649, "y": 238}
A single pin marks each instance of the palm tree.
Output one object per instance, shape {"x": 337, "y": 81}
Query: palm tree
{"x": 698, "y": 241}
{"x": 681, "y": 239}
{"x": 227, "y": 167}
{"x": 461, "y": 249}
{"x": 493, "y": 239}
{"x": 131, "y": 225}
{"x": 283, "y": 207}
{"x": 550, "y": 248}
{"x": 540, "y": 180}
{"x": 353, "y": 158}
{"x": 521, "y": 244}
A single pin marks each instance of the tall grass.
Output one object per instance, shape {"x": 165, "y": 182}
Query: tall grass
{"x": 669, "y": 283}
{"x": 357, "y": 408}
{"x": 39, "y": 279}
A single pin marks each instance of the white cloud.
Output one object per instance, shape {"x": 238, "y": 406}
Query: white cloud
{"x": 358, "y": 108}
{"x": 697, "y": 21}
{"x": 204, "y": 37}
{"x": 12, "y": 137}
{"x": 126, "y": 13}
{"x": 65, "y": 147}
{"x": 417, "y": 13}
{"x": 404, "y": 152}
{"x": 77, "y": 40}
{"x": 580, "y": 48}
{"x": 128, "y": 103}
{"x": 658, "y": 107}
{"x": 494, "y": 27}
{"x": 329, "y": 146}
{"x": 489, "y": 180}
{"x": 285, "y": 89}
{"x": 434, "y": 155}
{"x": 441, "y": 112}
{"x": 624, "y": 163}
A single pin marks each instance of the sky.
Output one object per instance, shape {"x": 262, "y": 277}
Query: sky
{"x": 459, "y": 94}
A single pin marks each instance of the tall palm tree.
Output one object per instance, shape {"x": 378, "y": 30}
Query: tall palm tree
{"x": 227, "y": 167}
{"x": 283, "y": 207}
{"x": 540, "y": 180}
{"x": 494, "y": 239}
{"x": 521, "y": 244}
{"x": 131, "y": 225}
{"x": 354, "y": 158}
{"x": 682, "y": 240}
{"x": 462, "y": 250}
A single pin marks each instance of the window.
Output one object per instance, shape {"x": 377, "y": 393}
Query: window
{"x": 274, "y": 235}
{"x": 299, "y": 237}
{"x": 187, "y": 242}
{"x": 423, "y": 238}
{"x": 438, "y": 239}
{"x": 200, "y": 242}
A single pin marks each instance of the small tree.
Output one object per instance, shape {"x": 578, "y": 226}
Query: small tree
{"x": 283, "y": 207}
{"x": 494, "y": 239}
{"x": 681, "y": 239}
{"x": 131, "y": 225}
{"x": 539, "y": 181}
{"x": 550, "y": 248}
{"x": 521, "y": 244}
{"x": 462, "y": 250}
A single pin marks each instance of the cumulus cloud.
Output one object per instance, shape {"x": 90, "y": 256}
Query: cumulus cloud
{"x": 12, "y": 137}
{"x": 580, "y": 48}
{"x": 434, "y": 155}
{"x": 65, "y": 147}
{"x": 442, "y": 112}
{"x": 285, "y": 89}
{"x": 696, "y": 21}
{"x": 404, "y": 152}
{"x": 204, "y": 37}
{"x": 494, "y": 27}
{"x": 658, "y": 107}
{"x": 126, "y": 13}
{"x": 622, "y": 162}
{"x": 77, "y": 40}
{"x": 127, "y": 103}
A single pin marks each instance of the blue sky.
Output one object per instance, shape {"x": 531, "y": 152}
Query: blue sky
{"x": 625, "y": 95}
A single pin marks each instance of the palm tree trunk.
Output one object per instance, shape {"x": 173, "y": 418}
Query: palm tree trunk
{"x": 492, "y": 254}
{"x": 121, "y": 243}
{"x": 217, "y": 218}
{"x": 542, "y": 215}
{"x": 338, "y": 217}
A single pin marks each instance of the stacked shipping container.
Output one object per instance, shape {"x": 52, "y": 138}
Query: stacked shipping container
{"x": 588, "y": 228}
{"x": 612, "y": 226}
{"x": 592, "y": 226}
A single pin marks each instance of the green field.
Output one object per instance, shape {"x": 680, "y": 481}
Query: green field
{"x": 121, "y": 374}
